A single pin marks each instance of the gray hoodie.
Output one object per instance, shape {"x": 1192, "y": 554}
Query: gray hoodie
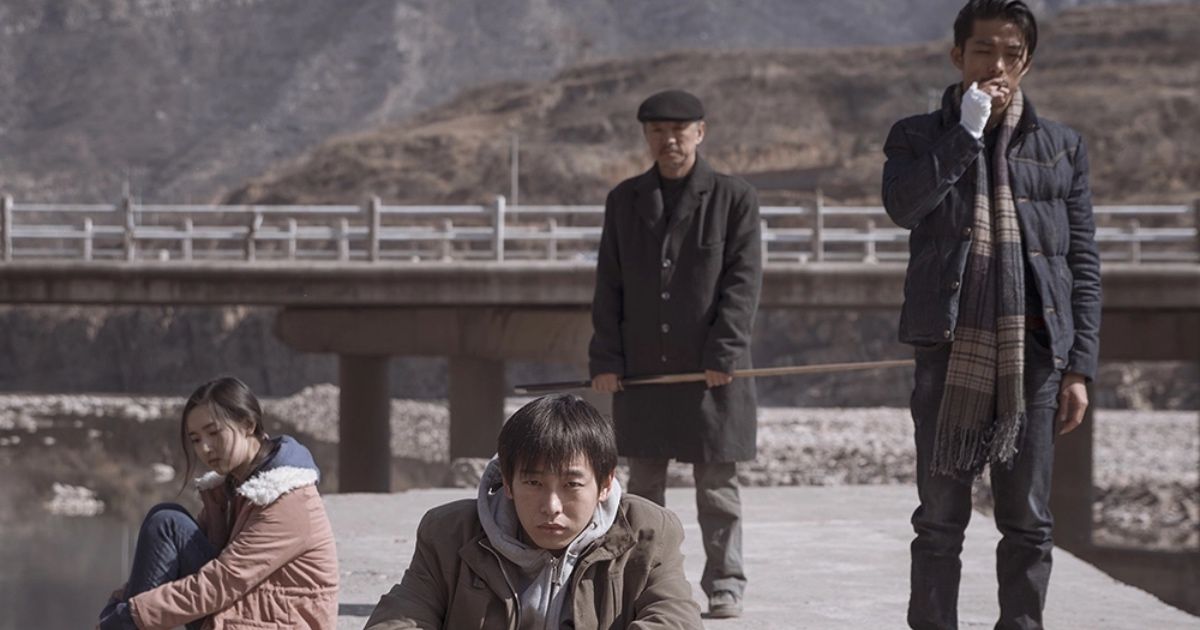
{"x": 538, "y": 578}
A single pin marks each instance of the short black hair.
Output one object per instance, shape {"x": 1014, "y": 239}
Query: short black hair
{"x": 553, "y": 430}
{"x": 1014, "y": 11}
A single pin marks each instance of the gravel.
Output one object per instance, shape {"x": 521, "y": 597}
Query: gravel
{"x": 1147, "y": 463}
{"x": 420, "y": 430}
{"x": 1146, "y": 475}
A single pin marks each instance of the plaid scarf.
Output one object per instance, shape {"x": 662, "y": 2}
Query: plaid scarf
{"x": 983, "y": 403}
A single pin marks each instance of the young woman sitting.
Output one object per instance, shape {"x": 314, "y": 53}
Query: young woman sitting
{"x": 261, "y": 552}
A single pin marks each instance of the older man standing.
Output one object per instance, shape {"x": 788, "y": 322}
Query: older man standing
{"x": 677, "y": 287}
{"x": 1001, "y": 301}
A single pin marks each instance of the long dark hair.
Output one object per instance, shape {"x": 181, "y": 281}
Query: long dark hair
{"x": 230, "y": 402}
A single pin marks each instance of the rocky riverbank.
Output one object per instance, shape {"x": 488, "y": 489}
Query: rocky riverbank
{"x": 113, "y": 455}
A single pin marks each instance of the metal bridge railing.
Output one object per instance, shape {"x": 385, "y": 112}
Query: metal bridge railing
{"x": 376, "y": 232}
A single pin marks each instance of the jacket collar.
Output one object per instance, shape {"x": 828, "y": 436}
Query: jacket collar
{"x": 267, "y": 486}
{"x": 485, "y": 561}
{"x": 289, "y": 466}
{"x": 619, "y": 540}
{"x": 648, "y": 201}
{"x": 613, "y": 544}
{"x": 951, "y": 113}
{"x": 498, "y": 517}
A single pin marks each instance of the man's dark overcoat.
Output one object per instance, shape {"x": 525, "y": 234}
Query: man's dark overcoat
{"x": 677, "y": 292}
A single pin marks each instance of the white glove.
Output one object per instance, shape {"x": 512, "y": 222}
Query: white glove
{"x": 976, "y": 109}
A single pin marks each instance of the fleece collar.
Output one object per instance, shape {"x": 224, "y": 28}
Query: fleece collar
{"x": 267, "y": 486}
{"x": 289, "y": 466}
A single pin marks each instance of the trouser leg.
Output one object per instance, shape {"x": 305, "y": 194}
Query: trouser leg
{"x": 170, "y": 546}
{"x": 1022, "y": 499}
{"x": 648, "y": 478}
{"x": 940, "y": 521}
{"x": 719, "y": 510}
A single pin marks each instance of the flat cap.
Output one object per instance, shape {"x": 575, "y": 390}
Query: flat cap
{"x": 672, "y": 105}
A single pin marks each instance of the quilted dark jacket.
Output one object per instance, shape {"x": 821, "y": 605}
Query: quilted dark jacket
{"x": 929, "y": 188}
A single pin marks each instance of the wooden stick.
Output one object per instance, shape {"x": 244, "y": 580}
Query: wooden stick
{"x": 693, "y": 377}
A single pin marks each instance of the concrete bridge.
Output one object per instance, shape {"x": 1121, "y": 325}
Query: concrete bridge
{"x": 366, "y": 307}
{"x": 480, "y": 314}
{"x": 818, "y": 558}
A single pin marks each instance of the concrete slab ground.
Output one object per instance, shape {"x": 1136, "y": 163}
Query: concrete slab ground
{"x": 821, "y": 558}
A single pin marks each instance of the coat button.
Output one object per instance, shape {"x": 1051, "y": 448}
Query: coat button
{"x": 967, "y": 232}
{"x": 666, "y": 263}
{"x": 1049, "y": 310}
{"x": 666, "y": 328}
{"x": 946, "y": 333}
{"x": 1059, "y": 362}
{"x": 666, "y": 295}
{"x": 664, "y": 358}
{"x": 954, "y": 285}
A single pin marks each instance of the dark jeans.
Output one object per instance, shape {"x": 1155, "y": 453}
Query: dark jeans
{"x": 170, "y": 546}
{"x": 719, "y": 510}
{"x": 1022, "y": 502}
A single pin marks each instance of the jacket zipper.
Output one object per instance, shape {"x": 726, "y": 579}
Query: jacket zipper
{"x": 555, "y": 570}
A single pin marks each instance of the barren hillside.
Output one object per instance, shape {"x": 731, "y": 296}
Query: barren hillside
{"x": 181, "y": 99}
{"x": 790, "y": 120}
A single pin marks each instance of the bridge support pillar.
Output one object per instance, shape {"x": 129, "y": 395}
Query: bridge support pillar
{"x": 477, "y": 341}
{"x": 477, "y": 391}
{"x": 364, "y": 428}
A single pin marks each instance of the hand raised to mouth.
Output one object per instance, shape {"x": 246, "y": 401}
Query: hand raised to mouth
{"x": 976, "y": 109}
{"x": 996, "y": 88}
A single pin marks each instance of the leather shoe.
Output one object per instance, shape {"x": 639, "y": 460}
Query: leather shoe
{"x": 724, "y": 605}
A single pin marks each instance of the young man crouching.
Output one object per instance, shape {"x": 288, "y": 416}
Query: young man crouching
{"x": 550, "y": 542}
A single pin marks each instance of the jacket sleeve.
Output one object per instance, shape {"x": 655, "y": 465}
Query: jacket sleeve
{"x": 915, "y": 183}
{"x": 272, "y": 537}
{"x": 605, "y": 352}
{"x": 738, "y": 288}
{"x": 666, "y": 602}
{"x": 419, "y": 601}
{"x": 1083, "y": 259}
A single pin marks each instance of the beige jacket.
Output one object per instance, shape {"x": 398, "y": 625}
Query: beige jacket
{"x": 278, "y": 563}
{"x": 632, "y": 577}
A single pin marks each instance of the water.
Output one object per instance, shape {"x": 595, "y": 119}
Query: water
{"x": 57, "y": 573}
